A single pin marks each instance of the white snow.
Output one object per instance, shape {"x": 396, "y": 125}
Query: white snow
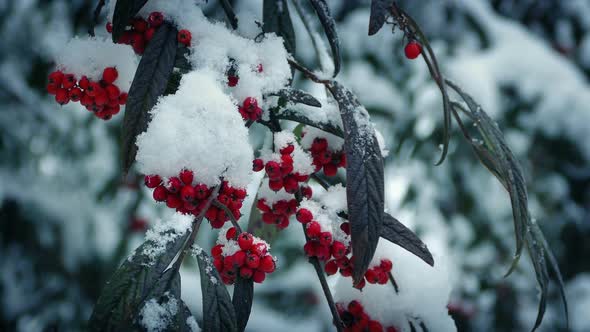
{"x": 165, "y": 232}
{"x": 156, "y": 317}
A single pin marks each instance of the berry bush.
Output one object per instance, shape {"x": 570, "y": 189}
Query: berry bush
{"x": 192, "y": 90}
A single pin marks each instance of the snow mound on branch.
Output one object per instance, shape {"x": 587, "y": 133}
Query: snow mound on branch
{"x": 90, "y": 56}
{"x": 156, "y": 317}
{"x": 328, "y": 219}
{"x": 302, "y": 162}
{"x": 423, "y": 292}
{"x": 200, "y": 129}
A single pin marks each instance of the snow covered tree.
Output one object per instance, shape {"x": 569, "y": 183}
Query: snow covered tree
{"x": 226, "y": 125}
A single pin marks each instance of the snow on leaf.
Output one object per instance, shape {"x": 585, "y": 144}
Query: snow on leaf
{"x": 323, "y": 11}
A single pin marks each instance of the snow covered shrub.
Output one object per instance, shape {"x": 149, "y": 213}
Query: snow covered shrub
{"x": 193, "y": 89}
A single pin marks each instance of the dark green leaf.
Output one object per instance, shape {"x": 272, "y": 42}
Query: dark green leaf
{"x": 395, "y": 232}
{"x": 495, "y": 154}
{"x": 323, "y": 12}
{"x": 298, "y": 96}
{"x": 149, "y": 83}
{"x": 364, "y": 178}
{"x": 229, "y": 12}
{"x": 298, "y": 117}
{"x": 242, "y": 300}
{"x": 138, "y": 279}
{"x": 380, "y": 10}
{"x": 276, "y": 18}
{"x": 218, "y": 311}
{"x": 125, "y": 10}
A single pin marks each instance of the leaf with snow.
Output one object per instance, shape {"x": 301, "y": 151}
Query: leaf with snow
{"x": 242, "y": 301}
{"x": 323, "y": 11}
{"x": 139, "y": 278}
{"x": 125, "y": 10}
{"x": 364, "y": 178}
{"x": 230, "y": 13}
{"x": 298, "y": 96}
{"x": 218, "y": 311}
{"x": 149, "y": 83}
{"x": 495, "y": 155}
{"x": 380, "y": 10}
{"x": 395, "y": 232}
{"x": 301, "y": 118}
{"x": 276, "y": 18}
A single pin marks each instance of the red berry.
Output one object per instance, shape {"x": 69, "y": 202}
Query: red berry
{"x": 152, "y": 181}
{"x": 246, "y": 272}
{"x": 155, "y": 19}
{"x": 319, "y": 145}
{"x": 75, "y": 94}
{"x": 140, "y": 25}
{"x": 273, "y": 169}
{"x": 287, "y": 149}
{"x": 138, "y": 43}
{"x": 252, "y": 261}
{"x": 218, "y": 262}
{"x": 201, "y": 191}
{"x": 330, "y": 169}
{"x": 223, "y": 199}
{"x": 259, "y": 249}
{"x": 113, "y": 92}
{"x": 240, "y": 193}
{"x": 245, "y": 240}
{"x": 325, "y": 238}
{"x": 304, "y": 216}
{"x": 174, "y": 185}
{"x": 261, "y": 205}
{"x": 184, "y": 37}
{"x": 258, "y": 276}
{"x": 309, "y": 249}
{"x": 338, "y": 249}
{"x": 231, "y": 233}
{"x": 345, "y": 227}
{"x": 93, "y": 89}
{"x": 239, "y": 258}
{"x": 211, "y": 213}
{"x": 61, "y": 96}
{"x": 331, "y": 267}
{"x": 313, "y": 229}
{"x": 267, "y": 264}
{"x": 186, "y": 176}
{"x": 216, "y": 223}
{"x": 322, "y": 252}
{"x": 217, "y": 250}
{"x": 56, "y": 78}
{"x": 123, "y": 98}
{"x": 109, "y": 75}
{"x": 257, "y": 165}
{"x": 291, "y": 185}
{"x": 52, "y": 89}
{"x": 101, "y": 98}
{"x": 375, "y": 326}
{"x": 69, "y": 81}
{"x": 275, "y": 185}
{"x": 232, "y": 81}
{"x": 306, "y": 192}
{"x": 372, "y": 276}
{"x": 324, "y": 157}
{"x": 187, "y": 193}
{"x": 355, "y": 308}
{"x": 412, "y": 50}
{"x": 173, "y": 201}
{"x": 386, "y": 265}
{"x": 259, "y": 68}
{"x": 149, "y": 34}
{"x": 109, "y": 27}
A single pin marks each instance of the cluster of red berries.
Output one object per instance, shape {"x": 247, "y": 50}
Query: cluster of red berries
{"x": 378, "y": 274}
{"x": 280, "y": 174}
{"x": 233, "y": 78}
{"x": 413, "y": 50}
{"x": 103, "y": 98}
{"x": 250, "y": 110}
{"x": 140, "y": 31}
{"x": 252, "y": 261}
{"x": 320, "y": 244}
{"x": 324, "y": 158}
{"x": 179, "y": 193}
{"x": 279, "y": 213}
{"x": 355, "y": 319}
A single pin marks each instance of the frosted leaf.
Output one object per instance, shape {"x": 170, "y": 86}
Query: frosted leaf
{"x": 163, "y": 233}
{"x": 156, "y": 317}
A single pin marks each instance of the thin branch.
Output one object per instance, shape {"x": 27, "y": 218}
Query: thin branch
{"x": 308, "y": 73}
{"x": 227, "y": 211}
{"x": 321, "y": 181}
{"x": 392, "y": 280}
{"x": 94, "y": 22}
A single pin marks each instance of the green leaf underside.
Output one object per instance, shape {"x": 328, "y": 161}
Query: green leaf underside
{"x": 495, "y": 155}
{"x": 380, "y": 10}
{"x": 242, "y": 301}
{"x": 276, "y": 18}
{"x": 125, "y": 10}
{"x": 395, "y": 232}
{"x": 149, "y": 83}
{"x": 364, "y": 178}
{"x": 138, "y": 279}
{"x": 218, "y": 311}
{"x": 323, "y": 12}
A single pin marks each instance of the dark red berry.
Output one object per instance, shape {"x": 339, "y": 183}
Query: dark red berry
{"x": 267, "y": 264}
{"x": 231, "y": 233}
{"x": 140, "y": 25}
{"x": 258, "y": 277}
{"x": 69, "y": 81}
{"x": 187, "y": 193}
{"x": 109, "y": 27}
{"x": 313, "y": 229}
{"x": 252, "y": 261}
{"x": 304, "y": 216}
{"x": 75, "y": 94}
{"x": 186, "y": 176}
{"x": 257, "y": 165}
{"x": 61, "y": 96}
{"x": 174, "y": 185}
{"x": 331, "y": 267}
{"x": 275, "y": 185}
{"x": 412, "y": 50}
{"x": 287, "y": 149}
{"x": 56, "y": 78}
{"x": 245, "y": 240}
{"x": 184, "y": 37}
{"x": 217, "y": 250}
{"x": 232, "y": 81}
{"x": 155, "y": 19}
{"x": 246, "y": 272}
{"x": 149, "y": 34}
{"x": 109, "y": 75}
{"x": 386, "y": 265}
{"x": 152, "y": 181}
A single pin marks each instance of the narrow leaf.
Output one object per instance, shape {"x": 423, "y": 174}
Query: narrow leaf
{"x": 276, "y": 18}
{"x": 229, "y": 12}
{"x": 139, "y": 278}
{"x": 301, "y": 118}
{"x": 395, "y": 232}
{"x": 242, "y": 301}
{"x": 323, "y": 12}
{"x": 364, "y": 178}
{"x": 298, "y": 97}
{"x": 218, "y": 311}
{"x": 149, "y": 83}
{"x": 125, "y": 10}
{"x": 380, "y": 10}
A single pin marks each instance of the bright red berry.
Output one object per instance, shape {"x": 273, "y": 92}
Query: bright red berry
{"x": 267, "y": 264}
{"x": 253, "y": 261}
{"x": 152, "y": 181}
{"x": 275, "y": 185}
{"x": 174, "y": 184}
{"x": 187, "y": 193}
{"x": 412, "y": 50}
{"x": 291, "y": 185}
{"x": 109, "y": 75}
{"x": 331, "y": 267}
{"x": 319, "y": 145}
{"x": 259, "y": 249}
{"x": 113, "y": 92}
{"x": 56, "y": 78}
{"x": 75, "y": 94}
{"x": 386, "y": 265}
{"x": 257, "y": 165}
{"x": 155, "y": 19}
{"x": 245, "y": 240}
{"x": 338, "y": 249}
{"x": 246, "y": 272}
{"x": 173, "y": 201}
{"x": 261, "y": 205}
{"x": 61, "y": 96}
{"x": 287, "y": 149}
{"x": 217, "y": 250}
{"x": 201, "y": 191}
{"x": 325, "y": 238}
{"x": 239, "y": 258}
{"x": 231, "y": 233}
{"x": 69, "y": 81}
{"x": 186, "y": 176}
{"x": 184, "y": 37}
{"x": 232, "y": 81}
{"x": 258, "y": 276}
{"x": 372, "y": 276}
{"x": 123, "y": 98}
{"x": 313, "y": 229}
{"x": 273, "y": 169}
{"x": 330, "y": 169}
{"x": 304, "y": 216}
{"x": 355, "y": 308}
{"x": 140, "y": 25}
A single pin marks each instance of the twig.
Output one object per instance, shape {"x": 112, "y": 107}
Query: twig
{"x": 393, "y": 282}
{"x": 321, "y": 181}
{"x": 308, "y": 73}
{"x": 97, "y": 11}
{"x": 227, "y": 211}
